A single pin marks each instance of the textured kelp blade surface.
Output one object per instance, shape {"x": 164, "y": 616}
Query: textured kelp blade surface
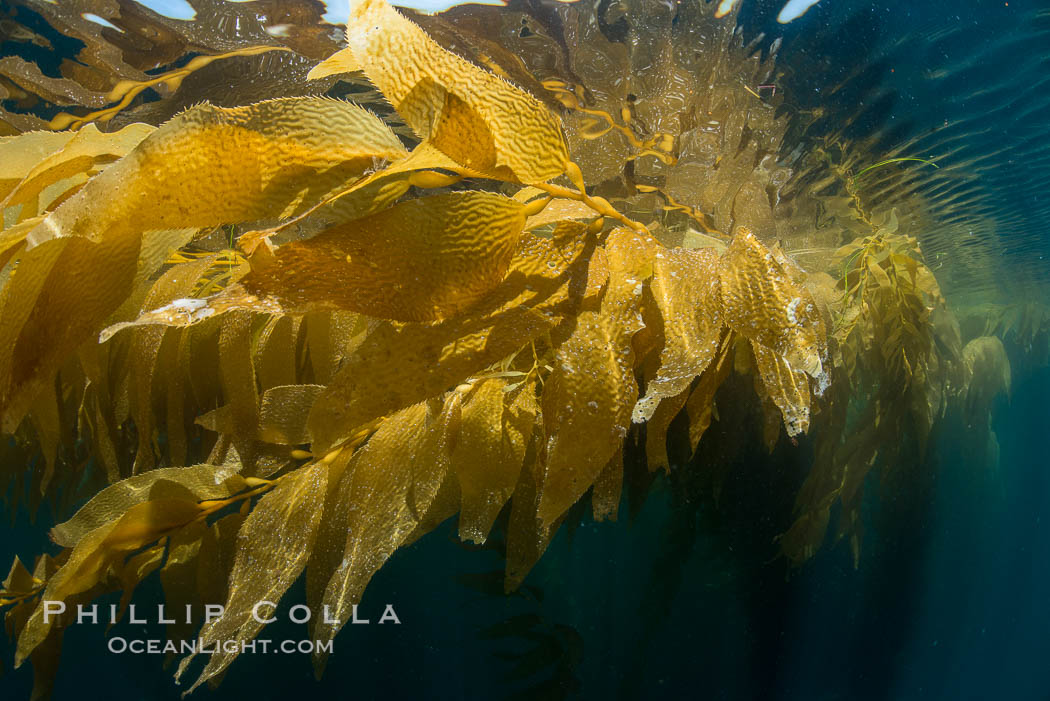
{"x": 592, "y": 390}
{"x": 400, "y": 364}
{"x": 489, "y": 450}
{"x": 445, "y": 98}
{"x": 200, "y": 481}
{"x": 383, "y": 492}
{"x": 685, "y": 285}
{"x": 104, "y": 546}
{"x": 423, "y": 260}
{"x": 273, "y": 547}
{"x": 765, "y": 302}
{"x": 290, "y": 153}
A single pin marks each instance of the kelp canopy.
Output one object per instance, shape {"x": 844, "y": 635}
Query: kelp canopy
{"x": 286, "y": 337}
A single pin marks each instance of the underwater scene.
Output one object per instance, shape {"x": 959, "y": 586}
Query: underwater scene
{"x": 524, "y": 350}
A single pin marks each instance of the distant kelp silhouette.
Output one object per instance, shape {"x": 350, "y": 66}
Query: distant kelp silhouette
{"x": 374, "y": 358}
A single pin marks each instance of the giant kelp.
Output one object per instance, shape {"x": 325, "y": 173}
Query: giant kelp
{"x": 350, "y": 336}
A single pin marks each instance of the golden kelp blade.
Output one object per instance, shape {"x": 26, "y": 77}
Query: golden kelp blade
{"x": 96, "y": 551}
{"x": 290, "y": 153}
{"x": 103, "y": 394}
{"x": 376, "y": 190}
{"x": 178, "y": 282}
{"x": 283, "y": 412}
{"x": 56, "y": 297}
{"x": 527, "y": 536}
{"x": 237, "y": 376}
{"x": 763, "y": 301}
{"x": 89, "y": 148}
{"x": 21, "y": 153}
{"x": 560, "y": 209}
{"x": 608, "y": 488}
{"x": 588, "y": 399}
{"x": 13, "y": 238}
{"x": 187, "y": 311}
{"x": 19, "y": 580}
{"x": 138, "y": 567}
{"x": 788, "y": 388}
{"x": 459, "y": 132}
{"x": 398, "y": 365}
{"x": 275, "y": 352}
{"x": 212, "y": 165}
{"x": 273, "y": 546}
{"x": 490, "y": 448}
{"x": 338, "y": 63}
{"x": 55, "y": 177}
{"x": 198, "y": 481}
{"x": 685, "y": 285}
{"x": 656, "y": 430}
{"x": 416, "y": 75}
{"x": 422, "y": 260}
{"x": 381, "y": 497}
{"x": 183, "y": 569}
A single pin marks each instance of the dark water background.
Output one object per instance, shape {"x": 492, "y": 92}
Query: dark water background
{"x": 951, "y": 598}
{"x": 950, "y": 601}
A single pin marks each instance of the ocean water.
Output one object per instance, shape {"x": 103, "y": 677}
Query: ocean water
{"x": 949, "y": 602}
{"x": 685, "y": 595}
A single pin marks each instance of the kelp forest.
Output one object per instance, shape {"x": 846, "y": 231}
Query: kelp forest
{"x": 279, "y": 302}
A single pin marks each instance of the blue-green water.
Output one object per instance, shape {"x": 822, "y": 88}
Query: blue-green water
{"x": 949, "y": 602}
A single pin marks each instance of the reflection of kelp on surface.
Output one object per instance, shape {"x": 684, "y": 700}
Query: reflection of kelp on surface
{"x": 144, "y": 44}
{"x": 662, "y": 115}
{"x": 379, "y": 359}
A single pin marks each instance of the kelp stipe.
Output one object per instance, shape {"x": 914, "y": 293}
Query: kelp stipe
{"x": 382, "y": 352}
